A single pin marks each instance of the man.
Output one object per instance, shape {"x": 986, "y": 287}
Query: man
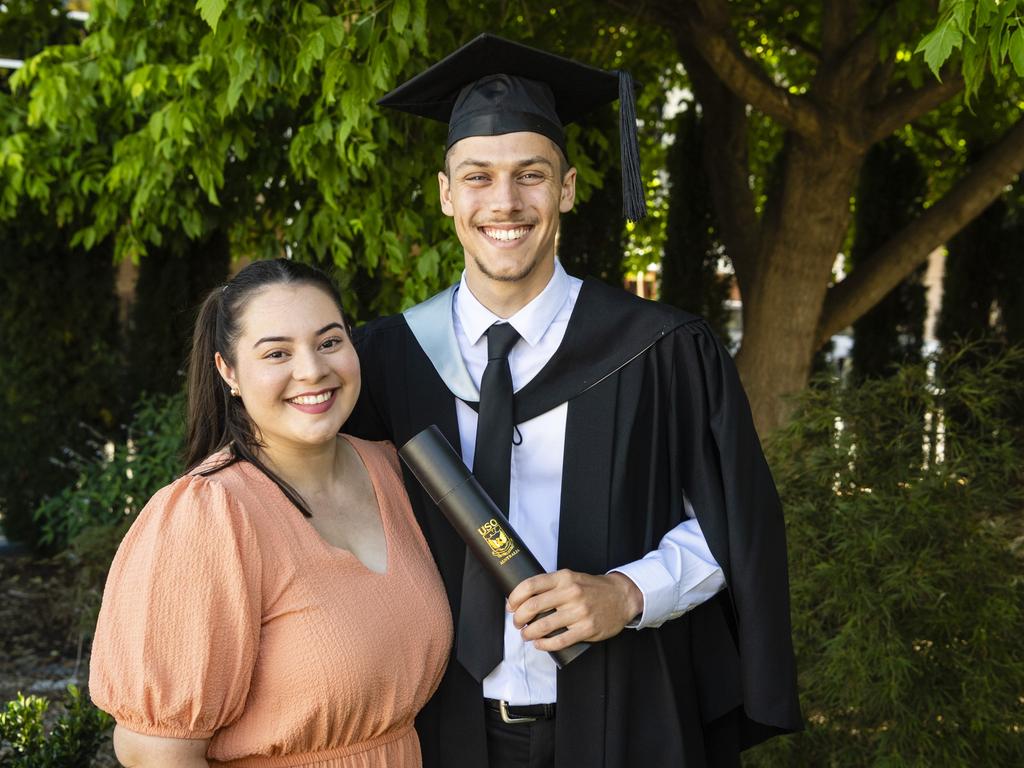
{"x": 614, "y": 434}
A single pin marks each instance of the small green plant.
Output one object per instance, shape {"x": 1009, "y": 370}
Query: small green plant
{"x": 87, "y": 520}
{"x": 117, "y": 481}
{"x": 72, "y": 743}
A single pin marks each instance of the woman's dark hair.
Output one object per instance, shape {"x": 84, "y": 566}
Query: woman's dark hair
{"x": 216, "y": 420}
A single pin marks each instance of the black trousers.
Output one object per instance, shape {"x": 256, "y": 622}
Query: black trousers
{"x": 519, "y": 745}
{"x": 532, "y": 745}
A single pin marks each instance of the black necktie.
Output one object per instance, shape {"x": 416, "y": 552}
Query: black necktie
{"x": 480, "y": 645}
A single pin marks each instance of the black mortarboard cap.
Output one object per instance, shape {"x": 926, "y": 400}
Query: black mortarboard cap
{"x": 492, "y": 86}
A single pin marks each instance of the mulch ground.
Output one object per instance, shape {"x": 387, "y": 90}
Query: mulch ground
{"x": 41, "y": 651}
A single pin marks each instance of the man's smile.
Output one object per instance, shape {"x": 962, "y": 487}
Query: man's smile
{"x": 507, "y": 234}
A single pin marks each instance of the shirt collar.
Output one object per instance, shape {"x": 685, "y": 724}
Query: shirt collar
{"x": 532, "y": 321}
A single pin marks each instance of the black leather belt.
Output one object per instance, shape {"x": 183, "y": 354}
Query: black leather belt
{"x": 520, "y": 713}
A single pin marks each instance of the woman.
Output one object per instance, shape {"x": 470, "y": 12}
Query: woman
{"x": 277, "y": 605}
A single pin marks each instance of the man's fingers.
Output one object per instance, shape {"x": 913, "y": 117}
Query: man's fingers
{"x": 532, "y": 586}
{"x": 544, "y": 625}
{"x": 535, "y": 605}
{"x": 590, "y": 608}
{"x": 571, "y": 636}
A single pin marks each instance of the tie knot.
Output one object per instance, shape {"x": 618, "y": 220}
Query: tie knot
{"x": 500, "y": 340}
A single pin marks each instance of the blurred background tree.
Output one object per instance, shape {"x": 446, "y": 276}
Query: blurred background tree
{"x": 690, "y": 265}
{"x": 59, "y": 349}
{"x": 890, "y": 194}
{"x": 257, "y": 119}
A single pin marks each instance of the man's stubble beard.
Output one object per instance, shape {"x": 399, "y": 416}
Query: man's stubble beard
{"x": 527, "y": 270}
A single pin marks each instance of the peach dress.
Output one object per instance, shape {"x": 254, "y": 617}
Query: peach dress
{"x": 226, "y": 616}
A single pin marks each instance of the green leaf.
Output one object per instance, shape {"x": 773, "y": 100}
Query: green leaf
{"x": 428, "y": 262}
{"x": 985, "y": 11}
{"x": 993, "y": 48}
{"x": 312, "y": 51}
{"x": 242, "y": 68}
{"x": 1016, "y": 51}
{"x": 400, "y": 15}
{"x": 334, "y": 31}
{"x": 211, "y": 11}
{"x": 974, "y": 64}
{"x": 938, "y": 45}
{"x": 959, "y": 12}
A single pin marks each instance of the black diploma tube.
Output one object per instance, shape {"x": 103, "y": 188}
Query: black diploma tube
{"x": 476, "y": 518}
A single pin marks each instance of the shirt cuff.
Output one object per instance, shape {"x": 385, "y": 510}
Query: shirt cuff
{"x": 665, "y": 597}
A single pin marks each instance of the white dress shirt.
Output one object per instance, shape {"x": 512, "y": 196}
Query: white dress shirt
{"x": 679, "y": 575}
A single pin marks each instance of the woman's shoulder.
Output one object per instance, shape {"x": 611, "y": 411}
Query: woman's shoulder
{"x": 194, "y": 500}
{"x": 219, "y": 493}
{"x": 194, "y": 519}
{"x": 222, "y": 474}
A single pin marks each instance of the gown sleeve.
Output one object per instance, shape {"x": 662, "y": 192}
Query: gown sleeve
{"x": 179, "y": 626}
{"x": 746, "y": 533}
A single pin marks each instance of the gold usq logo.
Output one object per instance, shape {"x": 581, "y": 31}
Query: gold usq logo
{"x": 502, "y": 545}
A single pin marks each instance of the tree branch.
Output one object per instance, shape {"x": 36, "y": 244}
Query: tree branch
{"x": 862, "y": 50}
{"x": 708, "y": 30}
{"x": 798, "y": 43}
{"x": 881, "y": 76}
{"x": 906, "y": 106}
{"x": 871, "y": 281}
{"x": 837, "y": 26}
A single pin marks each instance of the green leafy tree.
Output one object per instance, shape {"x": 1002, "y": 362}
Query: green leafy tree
{"x": 58, "y": 312}
{"x": 795, "y": 95}
{"x": 257, "y": 118}
{"x": 254, "y": 118}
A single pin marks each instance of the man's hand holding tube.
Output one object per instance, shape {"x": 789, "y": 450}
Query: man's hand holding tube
{"x": 592, "y": 608}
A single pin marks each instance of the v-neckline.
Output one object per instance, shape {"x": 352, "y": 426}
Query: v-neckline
{"x": 342, "y": 552}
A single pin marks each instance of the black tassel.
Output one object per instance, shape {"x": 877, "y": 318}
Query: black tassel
{"x": 634, "y": 206}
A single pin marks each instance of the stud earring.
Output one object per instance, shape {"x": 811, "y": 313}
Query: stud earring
{"x": 235, "y": 392}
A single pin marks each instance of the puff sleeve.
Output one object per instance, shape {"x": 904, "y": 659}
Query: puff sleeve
{"x": 179, "y": 627}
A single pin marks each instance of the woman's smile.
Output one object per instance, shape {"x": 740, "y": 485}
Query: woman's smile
{"x": 314, "y": 402}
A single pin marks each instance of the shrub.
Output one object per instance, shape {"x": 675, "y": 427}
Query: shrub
{"x": 72, "y": 743}
{"x": 88, "y": 519}
{"x": 117, "y": 480}
{"x": 908, "y": 599}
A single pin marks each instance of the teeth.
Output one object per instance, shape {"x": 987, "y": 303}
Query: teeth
{"x": 323, "y": 397}
{"x": 506, "y": 234}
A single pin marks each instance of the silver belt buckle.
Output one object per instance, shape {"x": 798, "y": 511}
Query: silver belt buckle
{"x": 507, "y": 718}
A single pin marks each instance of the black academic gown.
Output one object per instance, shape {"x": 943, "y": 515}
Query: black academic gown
{"x": 655, "y": 411}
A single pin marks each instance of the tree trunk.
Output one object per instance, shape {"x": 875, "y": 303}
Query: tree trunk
{"x": 803, "y": 230}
